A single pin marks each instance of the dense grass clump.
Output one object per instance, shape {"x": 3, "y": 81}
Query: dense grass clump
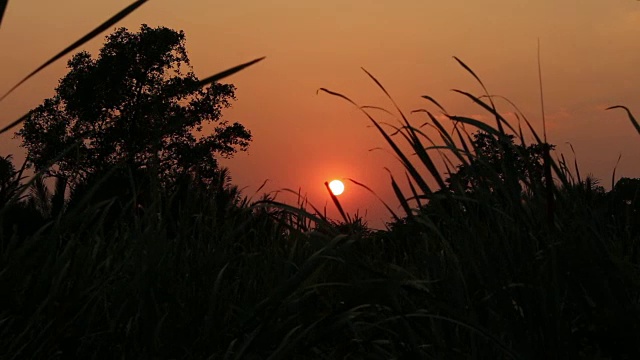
{"x": 513, "y": 256}
{"x": 509, "y": 255}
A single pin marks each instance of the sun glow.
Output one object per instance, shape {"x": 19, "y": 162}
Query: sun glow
{"x": 337, "y": 187}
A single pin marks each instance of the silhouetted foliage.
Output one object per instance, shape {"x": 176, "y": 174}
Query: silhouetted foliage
{"x": 138, "y": 104}
{"x": 9, "y": 179}
{"x": 498, "y": 160}
{"x": 625, "y": 210}
{"x": 627, "y": 190}
{"x": 18, "y": 218}
{"x": 180, "y": 266}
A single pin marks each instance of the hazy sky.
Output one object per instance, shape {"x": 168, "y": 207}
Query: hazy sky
{"x": 590, "y": 60}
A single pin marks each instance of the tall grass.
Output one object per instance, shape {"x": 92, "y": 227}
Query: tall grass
{"x": 468, "y": 272}
{"x": 533, "y": 263}
{"x": 516, "y": 265}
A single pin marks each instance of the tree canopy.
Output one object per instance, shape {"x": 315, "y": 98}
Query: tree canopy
{"x": 136, "y": 104}
{"x": 496, "y": 160}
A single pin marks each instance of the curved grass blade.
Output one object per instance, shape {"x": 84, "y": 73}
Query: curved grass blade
{"x": 493, "y": 106}
{"x": 471, "y": 72}
{"x": 388, "y": 95}
{"x": 3, "y": 7}
{"x": 490, "y": 109}
{"x": 397, "y": 130}
{"x": 422, "y": 152}
{"x": 426, "y": 158}
{"x": 434, "y": 102}
{"x": 95, "y": 32}
{"x": 373, "y": 107}
{"x": 378, "y": 148}
{"x": 292, "y": 209}
{"x": 448, "y": 139}
{"x": 228, "y": 72}
{"x": 476, "y": 123}
{"x": 520, "y": 134}
{"x": 304, "y": 202}
{"x": 416, "y": 143}
{"x": 613, "y": 176}
{"x": 423, "y": 134}
{"x": 405, "y": 162}
{"x": 631, "y": 118}
{"x": 395, "y": 217}
{"x": 15, "y": 123}
{"x": 533, "y": 132}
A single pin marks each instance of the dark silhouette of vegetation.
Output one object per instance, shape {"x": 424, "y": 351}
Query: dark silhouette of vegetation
{"x": 19, "y": 218}
{"x": 502, "y": 159}
{"x": 195, "y": 270}
{"x": 510, "y": 254}
{"x": 627, "y": 191}
{"x": 9, "y": 180}
{"x": 137, "y": 104}
{"x": 160, "y": 256}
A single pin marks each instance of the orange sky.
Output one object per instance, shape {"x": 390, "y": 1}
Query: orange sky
{"x": 590, "y": 58}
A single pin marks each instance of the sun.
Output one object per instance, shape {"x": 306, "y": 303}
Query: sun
{"x": 337, "y": 187}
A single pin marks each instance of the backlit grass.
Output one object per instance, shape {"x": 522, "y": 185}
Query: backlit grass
{"x": 527, "y": 260}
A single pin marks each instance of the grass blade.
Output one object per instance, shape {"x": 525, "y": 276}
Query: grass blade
{"x": 499, "y": 118}
{"x": 400, "y": 196}
{"x": 533, "y": 132}
{"x": 416, "y": 143}
{"x": 14, "y": 123}
{"x": 434, "y": 102}
{"x": 575, "y": 163}
{"x": 493, "y": 106}
{"x": 478, "y": 124}
{"x": 228, "y": 72}
{"x": 544, "y": 120}
{"x": 631, "y": 118}
{"x": 413, "y": 191}
{"x": 95, "y": 32}
{"x": 448, "y": 139}
{"x": 405, "y": 161}
{"x": 3, "y": 7}
{"x": 337, "y": 203}
{"x": 613, "y": 175}
{"x": 393, "y": 214}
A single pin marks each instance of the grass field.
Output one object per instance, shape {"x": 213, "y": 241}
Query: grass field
{"x": 548, "y": 270}
{"x": 513, "y": 260}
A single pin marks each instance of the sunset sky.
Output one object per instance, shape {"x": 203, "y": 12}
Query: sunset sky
{"x": 590, "y": 60}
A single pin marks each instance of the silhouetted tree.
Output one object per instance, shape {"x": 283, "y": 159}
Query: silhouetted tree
{"x": 625, "y": 197}
{"x": 498, "y": 160}
{"x": 9, "y": 180}
{"x": 627, "y": 190}
{"x": 139, "y": 104}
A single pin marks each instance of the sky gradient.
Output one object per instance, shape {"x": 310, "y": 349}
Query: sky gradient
{"x": 590, "y": 58}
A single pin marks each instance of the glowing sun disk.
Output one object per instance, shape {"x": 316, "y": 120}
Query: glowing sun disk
{"x": 337, "y": 187}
